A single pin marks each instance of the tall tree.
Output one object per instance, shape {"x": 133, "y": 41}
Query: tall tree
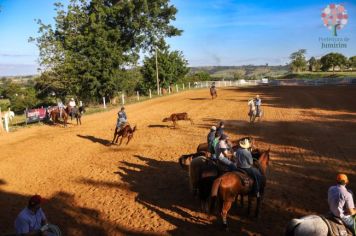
{"x": 331, "y": 60}
{"x": 352, "y": 62}
{"x": 312, "y": 64}
{"x": 172, "y": 67}
{"x": 298, "y": 62}
{"x": 93, "y": 42}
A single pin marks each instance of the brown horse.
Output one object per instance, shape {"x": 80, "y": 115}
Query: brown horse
{"x": 228, "y": 186}
{"x": 178, "y": 116}
{"x": 124, "y": 132}
{"x": 56, "y": 114}
{"x": 75, "y": 112}
{"x": 213, "y": 92}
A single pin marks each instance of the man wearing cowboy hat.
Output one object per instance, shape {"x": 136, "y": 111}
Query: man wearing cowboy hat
{"x": 244, "y": 161}
{"x": 258, "y": 103}
{"x": 32, "y": 220}
{"x": 341, "y": 202}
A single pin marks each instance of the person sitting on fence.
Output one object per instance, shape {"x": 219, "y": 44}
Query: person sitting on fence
{"x": 258, "y": 103}
{"x": 32, "y": 220}
{"x": 121, "y": 119}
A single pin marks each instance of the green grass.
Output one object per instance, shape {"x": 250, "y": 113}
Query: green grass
{"x": 318, "y": 75}
{"x": 19, "y": 120}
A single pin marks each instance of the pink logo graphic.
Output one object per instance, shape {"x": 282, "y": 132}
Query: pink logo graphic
{"x": 334, "y": 17}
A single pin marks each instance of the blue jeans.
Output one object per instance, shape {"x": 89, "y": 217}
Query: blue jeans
{"x": 349, "y": 221}
{"x": 228, "y": 163}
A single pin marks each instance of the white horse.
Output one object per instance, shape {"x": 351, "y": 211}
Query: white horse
{"x": 7, "y": 117}
{"x": 253, "y": 111}
{"x": 312, "y": 225}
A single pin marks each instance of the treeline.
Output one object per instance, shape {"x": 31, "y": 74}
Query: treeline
{"x": 329, "y": 62}
{"x": 94, "y": 47}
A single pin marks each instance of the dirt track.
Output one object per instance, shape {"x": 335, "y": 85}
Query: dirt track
{"x": 96, "y": 189}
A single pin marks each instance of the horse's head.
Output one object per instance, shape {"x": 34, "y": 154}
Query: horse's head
{"x": 264, "y": 160}
{"x": 185, "y": 160}
{"x": 11, "y": 115}
{"x": 131, "y": 131}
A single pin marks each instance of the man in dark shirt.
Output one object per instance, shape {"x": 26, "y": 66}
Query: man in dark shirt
{"x": 220, "y": 129}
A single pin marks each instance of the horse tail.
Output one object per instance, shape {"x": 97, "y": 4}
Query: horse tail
{"x": 214, "y": 194}
{"x": 291, "y": 227}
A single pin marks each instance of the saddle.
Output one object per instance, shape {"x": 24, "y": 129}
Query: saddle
{"x": 336, "y": 226}
{"x": 245, "y": 177}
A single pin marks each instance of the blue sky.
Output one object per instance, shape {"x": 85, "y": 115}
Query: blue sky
{"x": 216, "y": 32}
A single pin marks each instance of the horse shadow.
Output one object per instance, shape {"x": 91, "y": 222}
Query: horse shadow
{"x": 162, "y": 187}
{"x": 199, "y": 99}
{"x": 158, "y": 126}
{"x": 95, "y": 139}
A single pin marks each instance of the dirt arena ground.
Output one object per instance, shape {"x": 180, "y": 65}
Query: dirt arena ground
{"x": 97, "y": 189}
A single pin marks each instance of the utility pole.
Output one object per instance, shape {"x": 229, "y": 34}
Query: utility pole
{"x": 157, "y": 80}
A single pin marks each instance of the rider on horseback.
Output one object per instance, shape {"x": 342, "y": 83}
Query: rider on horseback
{"x": 341, "y": 202}
{"x": 71, "y": 106}
{"x": 244, "y": 161}
{"x": 121, "y": 119}
{"x": 211, "y": 136}
{"x": 223, "y": 154}
{"x": 257, "y": 101}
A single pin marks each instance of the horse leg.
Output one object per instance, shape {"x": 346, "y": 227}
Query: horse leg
{"x": 191, "y": 121}
{"x": 258, "y": 206}
{"x": 249, "y": 198}
{"x": 122, "y": 138}
{"x": 225, "y": 209}
{"x": 242, "y": 200}
{"x": 115, "y": 133}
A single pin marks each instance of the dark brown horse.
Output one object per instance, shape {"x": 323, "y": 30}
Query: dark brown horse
{"x": 231, "y": 184}
{"x": 178, "y": 116}
{"x": 213, "y": 92}
{"x": 56, "y": 114}
{"x": 75, "y": 112}
{"x": 124, "y": 132}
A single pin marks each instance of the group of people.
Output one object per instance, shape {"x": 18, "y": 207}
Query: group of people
{"x": 220, "y": 147}
{"x": 340, "y": 199}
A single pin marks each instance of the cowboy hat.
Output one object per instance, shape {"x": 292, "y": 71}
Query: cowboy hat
{"x": 245, "y": 143}
{"x": 213, "y": 127}
{"x": 72, "y": 99}
{"x": 257, "y": 96}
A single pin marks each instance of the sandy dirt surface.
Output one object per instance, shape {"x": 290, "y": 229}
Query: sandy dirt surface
{"x": 99, "y": 189}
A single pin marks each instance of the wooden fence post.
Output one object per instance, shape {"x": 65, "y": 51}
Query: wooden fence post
{"x": 177, "y": 88}
{"x": 1, "y": 125}
{"x": 104, "y": 102}
{"x": 150, "y": 93}
{"x": 122, "y": 98}
{"x": 138, "y": 96}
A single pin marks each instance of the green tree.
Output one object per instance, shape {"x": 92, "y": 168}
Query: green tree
{"x": 352, "y": 62}
{"x": 172, "y": 67}
{"x": 331, "y": 60}
{"x": 94, "y": 41}
{"x": 20, "y": 98}
{"x": 298, "y": 61}
{"x": 312, "y": 64}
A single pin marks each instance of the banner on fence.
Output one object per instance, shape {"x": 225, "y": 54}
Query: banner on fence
{"x": 34, "y": 115}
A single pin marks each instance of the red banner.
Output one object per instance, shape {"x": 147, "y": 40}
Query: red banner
{"x": 33, "y": 115}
